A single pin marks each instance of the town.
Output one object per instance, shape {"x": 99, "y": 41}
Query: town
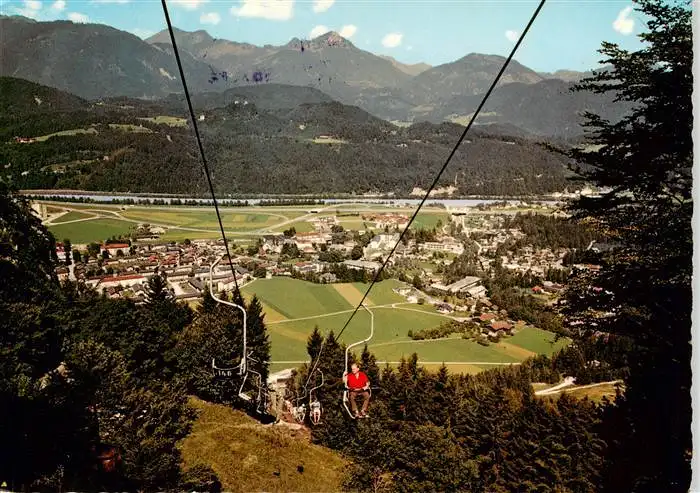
{"x": 446, "y": 267}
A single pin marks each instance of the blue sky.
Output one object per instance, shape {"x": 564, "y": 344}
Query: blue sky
{"x": 566, "y": 35}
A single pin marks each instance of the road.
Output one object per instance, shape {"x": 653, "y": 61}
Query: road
{"x": 372, "y": 307}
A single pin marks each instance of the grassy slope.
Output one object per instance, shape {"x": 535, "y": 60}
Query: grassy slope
{"x": 292, "y": 298}
{"x": 288, "y": 298}
{"x": 246, "y": 455}
{"x": 537, "y": 340}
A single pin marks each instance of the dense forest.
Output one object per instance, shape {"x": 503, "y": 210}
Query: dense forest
{"x": 255, "y": 151}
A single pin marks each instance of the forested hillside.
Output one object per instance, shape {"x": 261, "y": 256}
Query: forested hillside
{"x": 293, "y": 146}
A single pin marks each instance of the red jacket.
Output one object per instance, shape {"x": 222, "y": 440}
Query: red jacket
{"x": 357, "y": 382}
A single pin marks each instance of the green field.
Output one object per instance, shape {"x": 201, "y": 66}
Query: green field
{"x": 537, "y": 340}
{"x": 73, "y": 216}
{"x": 289, "y": 298}
{"x": 87, "y": 231}
{"x": 201, "y": 223}
{"x": 234, "y": 221}
{"x": 299, "y": 227}
{"x": 427, "y": 220}
{"x": 295, "y": 307}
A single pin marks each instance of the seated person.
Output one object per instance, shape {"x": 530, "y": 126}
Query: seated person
{"x": 357, "y": 384}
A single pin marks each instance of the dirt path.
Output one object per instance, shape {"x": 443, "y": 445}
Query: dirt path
{"x": 557, "y": 388}
{"x": 569, "y": 382}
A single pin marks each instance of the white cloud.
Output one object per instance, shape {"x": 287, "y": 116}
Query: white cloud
{"x": 512, "y": 36}
{"x": 31, "y": 9}
{"x": 142, "y": 33}
{"x": 274, "y": 10}
{"x": 210, "y": 18}
{"x": 188, "y": 4}
{"x": 623, "y": 24}
{"x": 392, "y": 40}
{"x": 409, "y": 48}
{"x": 317, "y": 31}
{"x": 110, "y": 1}
{"x": 322, "y": 5}
{"x": 348, "y": 31}
{"x": 78, "y": 18}
{"x": 58, "y": 5}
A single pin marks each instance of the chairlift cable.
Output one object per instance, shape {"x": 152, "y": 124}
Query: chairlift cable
{"x": 444, "y": 166}
{"x": 199, "y": 140}
{"x": 447, "y": 161}
{"x": 422, "y": 202}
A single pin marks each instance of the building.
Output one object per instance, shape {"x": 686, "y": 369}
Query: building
{"x": 469, "y": 285}
{"x": 103, "y": 283}
{"x": 362, "y": 265}
{"x": 114, "y": 248}
{"x": 444, "y": 246}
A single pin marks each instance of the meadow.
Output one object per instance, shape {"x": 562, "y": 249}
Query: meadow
{"x": 293, "y": 308}
{"x": 106, "y": 220}
{"x": 83, "y": 232}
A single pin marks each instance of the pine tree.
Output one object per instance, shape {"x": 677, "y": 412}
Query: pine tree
{"x": 313, "y": 344}
{"x": 208, "y": 304}
{"x": 258, "y": 339}
{"x": 645, "y": 160}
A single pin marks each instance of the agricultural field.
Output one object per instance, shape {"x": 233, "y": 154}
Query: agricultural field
{"x": 294, "y": 308}
{"x": 427, "y": 220}
{"x": 106, "y": 220}
{"x": 193, "y": 223}
{"x": 73, "y": 216}
{"x": 203, "y": 219}
{"x": 88, "y": 231}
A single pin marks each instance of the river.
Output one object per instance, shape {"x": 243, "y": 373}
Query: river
{"x": 448, "y": 203}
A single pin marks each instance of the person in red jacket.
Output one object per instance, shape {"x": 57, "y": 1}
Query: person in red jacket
{"x": 357, "y": 384}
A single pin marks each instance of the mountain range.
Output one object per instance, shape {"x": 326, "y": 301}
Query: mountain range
{"x": 255, "y": 142}
{"x": 97, "y": 61}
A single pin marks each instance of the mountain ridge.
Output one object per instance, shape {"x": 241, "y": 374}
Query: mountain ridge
{"x": 95, "y": 61}
{"x": 314, "y": 147}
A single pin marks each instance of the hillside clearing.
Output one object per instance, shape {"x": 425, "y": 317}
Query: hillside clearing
{"x": 65, "y": 133}
{"x": 172, "y": 121}
{"x": 248, "y": 456}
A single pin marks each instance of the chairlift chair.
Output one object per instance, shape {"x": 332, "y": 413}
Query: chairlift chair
{"x": 313, "y": 401}
{"x": 346, "y": 392}
{"x": 242, "y": 368}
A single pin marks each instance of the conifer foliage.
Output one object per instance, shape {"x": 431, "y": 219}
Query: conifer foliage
{"x": 434, "y": 431}
{"x": 643, "y": 292}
